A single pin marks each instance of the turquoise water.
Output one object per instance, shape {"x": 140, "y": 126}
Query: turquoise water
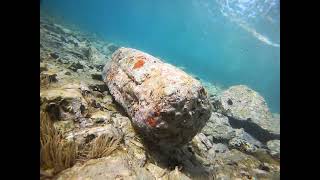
{"x": 228, "y": 42}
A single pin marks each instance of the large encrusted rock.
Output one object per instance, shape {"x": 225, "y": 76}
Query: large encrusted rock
{"x": 248, "y": 110}
{"x": 166, "y": 105}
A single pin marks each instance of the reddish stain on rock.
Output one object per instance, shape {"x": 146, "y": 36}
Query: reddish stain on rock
{"x": 138, "y": 64}
{"x": 152, "y": 122}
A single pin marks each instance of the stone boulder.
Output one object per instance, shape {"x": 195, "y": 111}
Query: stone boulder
{"x": 242, "y": 145}
{"x": 85, "y": 135}
{"x": 220, "y": 148}
{"x": 111, "y": 167}
{"x": 274, "y": 146}
{"x": 166, "y": 105}
{"x": 241, "y": 134}
{"x": 64, "y": 104}
{"x": 95, "y": 56}
{"x": 237, "y": 165}
{"x": 245, "y": 142}
{"x": 218, "y": 129}
{"x": 201, "y": 144}
{"x": 247, "y": 109}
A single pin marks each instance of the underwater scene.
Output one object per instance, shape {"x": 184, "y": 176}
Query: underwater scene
{"x": 145, "y": 89}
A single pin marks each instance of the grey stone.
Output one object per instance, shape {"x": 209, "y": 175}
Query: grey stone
{"x": 143, "y": 174}
{"x": 211, "y": 154}
{"x": 235, "y": 164}
{"x": 166, "y": 105}
{"x": 111, "y": 167}
{"x": 123, "y": 123}
{"x": 242, "y": 145}
{"x": 220, "y": 148}
{"x": 218, "y": 128}
{"x": 155, "y": 170}
{"x": 247, "y": 109}
{"x": 201, "y": 144}
{"x": 84, "y": 88}
{"x": 274, "y": 147}
{"x": 64, "y": 103}
{"x": 43, "y": 67}
{"x": 241, "y": 134}
{"x": 85, "y": 135}
{"x": 101, "y": 117}
{"x": 176, "y": 174}
{"x": 85, "y": 122}
{"x": 75, "y": 66}
{"x": 95, "y": 56}
{"x": 69, "y": 47}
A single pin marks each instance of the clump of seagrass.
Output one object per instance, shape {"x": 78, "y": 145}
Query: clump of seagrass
{"x": 102, "y": 146}
{"x": 56, "y": 153}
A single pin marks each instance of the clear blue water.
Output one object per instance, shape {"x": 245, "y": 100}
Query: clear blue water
{"x": 228, "y": 42}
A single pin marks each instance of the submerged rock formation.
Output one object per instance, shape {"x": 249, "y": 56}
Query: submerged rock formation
{"x": 166, "y": 105}
{"x": 274, "y": 147}
{"x": 218, "y": 129}
{"x": 242, "y": 120}
{"x": 248, "y": 110}
{"x": 97, "y": 139}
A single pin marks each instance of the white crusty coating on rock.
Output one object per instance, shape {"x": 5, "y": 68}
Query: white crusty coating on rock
{"x": 165, "y": 104}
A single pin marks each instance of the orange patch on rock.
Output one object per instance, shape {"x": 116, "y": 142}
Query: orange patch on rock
{"x": 152, "y": 122}
{"x": 138, "y": 64}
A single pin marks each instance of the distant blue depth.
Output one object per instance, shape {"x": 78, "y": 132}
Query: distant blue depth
{"x": 191, "y": 33}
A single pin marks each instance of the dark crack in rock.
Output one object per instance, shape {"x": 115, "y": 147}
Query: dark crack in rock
{"x": 75, "y": 66}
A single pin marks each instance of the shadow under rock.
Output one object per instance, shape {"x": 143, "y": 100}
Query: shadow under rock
{"x": 256, "y": 131}
{"x": 103, "y": 87}
{"x": 185, "y": 158}
{"x": 119, "y": 108}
